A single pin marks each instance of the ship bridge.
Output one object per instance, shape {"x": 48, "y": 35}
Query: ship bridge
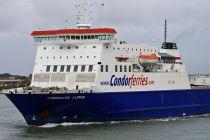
{"x": 74, "y": 36}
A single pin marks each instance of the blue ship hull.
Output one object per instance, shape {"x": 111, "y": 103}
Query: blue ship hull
{"x": 40, "y": 109}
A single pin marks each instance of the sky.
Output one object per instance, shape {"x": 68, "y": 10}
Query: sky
{"x": 136, "y": 21}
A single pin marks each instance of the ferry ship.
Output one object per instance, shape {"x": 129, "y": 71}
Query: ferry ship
{"x": 85, "y": 75}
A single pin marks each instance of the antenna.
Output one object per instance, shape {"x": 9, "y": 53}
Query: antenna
{"x": 165, "y": 32}
{"x": 66, "y": 24}
{"x": 85, "y": 13}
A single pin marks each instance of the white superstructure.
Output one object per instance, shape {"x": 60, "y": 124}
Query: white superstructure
{"x": 93, "y": 59}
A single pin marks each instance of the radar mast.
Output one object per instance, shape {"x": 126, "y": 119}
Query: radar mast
{"x": 85, "y": 13}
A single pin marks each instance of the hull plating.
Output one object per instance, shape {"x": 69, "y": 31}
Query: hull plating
{"x": 39, "y": 109}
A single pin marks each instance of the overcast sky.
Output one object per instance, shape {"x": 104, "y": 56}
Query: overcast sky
{"x": 135, "y": 20}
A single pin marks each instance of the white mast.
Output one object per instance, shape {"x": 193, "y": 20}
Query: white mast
{"x": 85, "y": 13}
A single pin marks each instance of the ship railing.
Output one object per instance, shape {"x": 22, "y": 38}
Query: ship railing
{"x": 61, "y": 41}
{"x": 37, "y": 90}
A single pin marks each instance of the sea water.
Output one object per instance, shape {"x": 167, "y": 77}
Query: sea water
{"x": 13, "y": 127}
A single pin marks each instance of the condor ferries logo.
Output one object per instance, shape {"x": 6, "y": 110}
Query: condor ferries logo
{"x": 131, "y": 81}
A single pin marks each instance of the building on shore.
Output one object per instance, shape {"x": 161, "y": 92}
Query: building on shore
{"x": 199, "y": 80}
{"x": 8, "y": 81}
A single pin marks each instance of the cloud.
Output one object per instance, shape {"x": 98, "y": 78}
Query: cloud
{"x": 136, "y": 21}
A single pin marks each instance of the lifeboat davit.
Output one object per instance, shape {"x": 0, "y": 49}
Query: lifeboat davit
{"x": 122, "y": 58}
{"x": 153, "y": 58}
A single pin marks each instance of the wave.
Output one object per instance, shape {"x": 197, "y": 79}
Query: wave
{"x": 51, "y": 125}
{"x": 66, "y": 124}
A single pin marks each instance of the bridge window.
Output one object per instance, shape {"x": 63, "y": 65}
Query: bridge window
{"x": 85, "y": 37}
{"x": 104, "y": 37}
{"x": 100, "y": 37}
{"x": 67, "y": 37}
{"x": 96, "y": 36}
{"x": 77, "y": 37}
{"x": 73, "y": 37}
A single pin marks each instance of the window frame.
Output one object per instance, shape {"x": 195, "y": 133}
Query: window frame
{"x": 116, "y": 68}
{"x": 62, "y": 68}
{"x": 90, "y": 68}
{"x": 125, "y": 68}
{"x": 102, "y": 68}
{"x": 55, "y": 68}
{"x": 121, "y": 68}
{"x": 83, "y": 67}
{"x": 75, "y": 68}
{"x": 68, "y": 68}
{"x": 48, "y": 68}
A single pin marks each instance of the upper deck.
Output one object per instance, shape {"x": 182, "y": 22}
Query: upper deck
{"x": 74, "y": 31}
{"x": 74, "y": 36}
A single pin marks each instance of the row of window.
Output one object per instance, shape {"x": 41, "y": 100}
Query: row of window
{"x": 120, "y": 68}
{"x": 82, "y": 68}
{"x": 73, "y": 37}
{"x": 45, "y": 48}
{"x": 135, "y": 49}
{"x": 67, "y": 57}
{"x": 104, "y": 68}
{"x": 69, "y": 68}
{"x": 132, "y": 49}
